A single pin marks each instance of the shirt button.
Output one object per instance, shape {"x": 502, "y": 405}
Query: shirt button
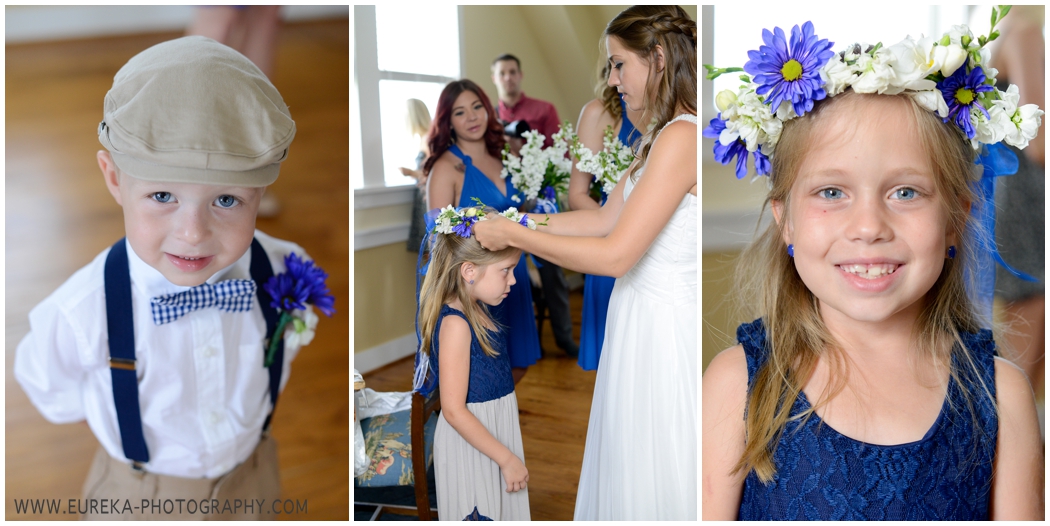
{"x": 210, "y": 352}
{"x": 216, "y": 417}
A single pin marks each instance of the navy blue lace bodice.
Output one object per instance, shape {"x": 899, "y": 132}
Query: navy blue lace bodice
{"x": 490, "y": 376}
{"x": 824, "y": 475}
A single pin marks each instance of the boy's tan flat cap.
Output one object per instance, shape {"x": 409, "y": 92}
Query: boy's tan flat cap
{"x": 192, "y": 110}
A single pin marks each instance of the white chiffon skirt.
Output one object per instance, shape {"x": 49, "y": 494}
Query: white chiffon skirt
{"x": 466, "y": 478}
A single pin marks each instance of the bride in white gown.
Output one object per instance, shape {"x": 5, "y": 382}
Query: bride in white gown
{"x": 640, "y": 458}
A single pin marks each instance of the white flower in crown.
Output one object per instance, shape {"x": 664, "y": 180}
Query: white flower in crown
{"x": 443, "y": 223}
{"x": 1020, "y": 124}
{"x": 911, "y": 64}
{"x": 874, "y": 73}
{"x": 931, "y": 100}
{"x": 836, "y": 75}
{"x": 988, "y": 130}
{"x": 749, "y": 118}
{"x": 522, "y": 219}
{"x": 953, "y": 49}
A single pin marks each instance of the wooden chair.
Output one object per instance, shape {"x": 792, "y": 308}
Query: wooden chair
{"x": 422, "y": 408}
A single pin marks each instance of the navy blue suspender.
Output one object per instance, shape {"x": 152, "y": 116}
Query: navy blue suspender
{"x": 261, "y": 272}
{"x": 120, "y": 325}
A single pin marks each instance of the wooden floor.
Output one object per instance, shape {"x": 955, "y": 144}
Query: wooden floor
{"x": 59, "y": 216}
{"x": 554, "y": 403}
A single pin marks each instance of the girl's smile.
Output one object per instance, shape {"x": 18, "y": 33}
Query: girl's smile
{"x": 874, "y": 277}
{"x": 869, "y": 230}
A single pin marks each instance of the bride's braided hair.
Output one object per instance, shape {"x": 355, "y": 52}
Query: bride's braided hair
{"x": 640, "y": 30}
{"x": 607, "y": 94}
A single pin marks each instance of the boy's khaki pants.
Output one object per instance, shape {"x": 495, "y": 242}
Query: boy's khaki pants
{"x": 247, "y": 492}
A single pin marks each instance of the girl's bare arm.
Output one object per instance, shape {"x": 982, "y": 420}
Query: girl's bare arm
{"x": 1017, "y": 479}
{"x": 724, "y": 396}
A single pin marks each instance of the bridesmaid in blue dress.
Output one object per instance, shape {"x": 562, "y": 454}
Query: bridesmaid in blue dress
{"x": 466, "y": 141}
{"x": 594, "y": 118}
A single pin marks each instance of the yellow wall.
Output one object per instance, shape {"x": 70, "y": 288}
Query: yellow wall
{"x": 384, "y": 295}
{"x": 719, "y": 312}
{"x": 557, "y": 46}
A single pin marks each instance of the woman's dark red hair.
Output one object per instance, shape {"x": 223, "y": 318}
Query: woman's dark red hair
{"x": 442, "y": 136}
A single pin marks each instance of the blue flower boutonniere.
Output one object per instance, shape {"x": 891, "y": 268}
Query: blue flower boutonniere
{"x": 293, "y": 291}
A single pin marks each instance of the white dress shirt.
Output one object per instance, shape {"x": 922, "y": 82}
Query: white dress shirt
{"x": 203, "y": 391}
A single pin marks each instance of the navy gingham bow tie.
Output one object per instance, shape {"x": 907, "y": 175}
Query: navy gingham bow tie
{"x": 232, "y": 295}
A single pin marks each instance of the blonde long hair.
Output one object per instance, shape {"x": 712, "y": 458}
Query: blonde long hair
{"x": 795, "y": 332}
{"x": 642, "y": 28}
{"x": 417, "y": 118}
{"x": 444, "y": 284}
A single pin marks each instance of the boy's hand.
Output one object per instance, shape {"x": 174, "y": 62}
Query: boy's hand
{"x": 515, "y": 474}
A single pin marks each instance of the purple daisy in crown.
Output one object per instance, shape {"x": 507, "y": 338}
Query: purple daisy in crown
{"x": 960, "y": 92}
{"x": 790, "y": 71}
{"x": 724, "y": 153}
{"x": 464, "y": 229}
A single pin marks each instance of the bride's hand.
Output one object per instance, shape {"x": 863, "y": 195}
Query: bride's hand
{"x": 492, "y": 233}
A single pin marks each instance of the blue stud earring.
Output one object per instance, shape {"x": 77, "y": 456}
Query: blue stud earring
{"x": 951, "y": 252}
{"x": 791, "y": 251}
{"x": 471, "y": 282}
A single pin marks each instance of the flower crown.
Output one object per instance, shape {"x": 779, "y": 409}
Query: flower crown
{"x": 460, "y": 221}
{"x": 946, "y": 76}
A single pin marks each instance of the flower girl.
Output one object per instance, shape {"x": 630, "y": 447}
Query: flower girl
{"x": 478, "y": 454}
{"x": 868, "y": 388}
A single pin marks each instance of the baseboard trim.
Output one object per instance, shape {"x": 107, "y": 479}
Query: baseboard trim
{"x": 371, "y": 359}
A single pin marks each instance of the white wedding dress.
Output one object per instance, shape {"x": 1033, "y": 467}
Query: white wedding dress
{"x": 640, "y": 459}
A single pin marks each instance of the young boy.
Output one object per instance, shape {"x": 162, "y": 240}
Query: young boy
{"x": 159, "y": 342}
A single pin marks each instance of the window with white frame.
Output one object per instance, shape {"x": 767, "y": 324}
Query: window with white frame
{"x": 399, "y": 54}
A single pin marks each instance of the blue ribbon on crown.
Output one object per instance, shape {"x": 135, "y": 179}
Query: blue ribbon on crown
{"x": 997, "y": 161}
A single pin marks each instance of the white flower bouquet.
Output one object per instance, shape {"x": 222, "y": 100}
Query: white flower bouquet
{"x": 540, "y": 173}
{"x": 608, "y": 165}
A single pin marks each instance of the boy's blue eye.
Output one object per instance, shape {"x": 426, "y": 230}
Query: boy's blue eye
{"x": 226, "y": 201}
{"x": 906, "y": 194}
{"x": 830, "y": 193}
{"x": 162, "y": 197}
